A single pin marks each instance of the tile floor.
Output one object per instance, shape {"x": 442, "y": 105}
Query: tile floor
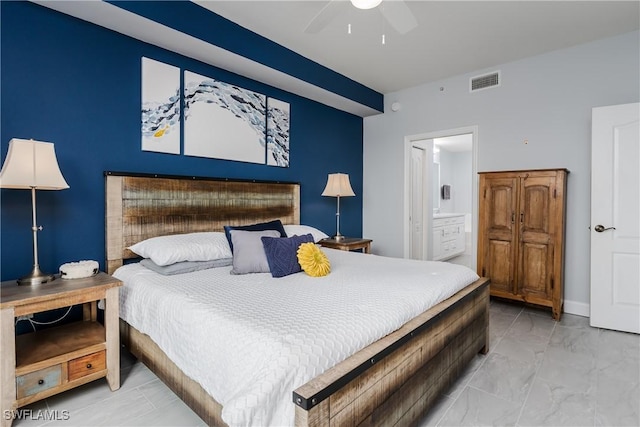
{"x": 538, "y": 373}
{"x": 544, "y": 373}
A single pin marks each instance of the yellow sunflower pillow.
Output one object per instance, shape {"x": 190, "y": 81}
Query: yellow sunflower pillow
{"x": 312, "y": 260}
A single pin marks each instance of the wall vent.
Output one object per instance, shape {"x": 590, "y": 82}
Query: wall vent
{"x": 485, "y": 81}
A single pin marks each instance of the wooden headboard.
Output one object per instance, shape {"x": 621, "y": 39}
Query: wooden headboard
{"x": 142, "y": 206}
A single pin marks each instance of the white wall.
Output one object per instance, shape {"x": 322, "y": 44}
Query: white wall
{"x": 455, "y": 170}
{"x": 546, "y": 100}
{"x": 447, "y": 175}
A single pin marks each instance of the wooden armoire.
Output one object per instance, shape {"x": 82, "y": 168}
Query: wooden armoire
{"x": 521, "y": 235}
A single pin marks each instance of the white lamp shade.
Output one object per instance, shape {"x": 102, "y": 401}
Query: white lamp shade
{"x": 338, "y": 185}
{"x": 31, "y": 164}
{"x": 365, "y": 4}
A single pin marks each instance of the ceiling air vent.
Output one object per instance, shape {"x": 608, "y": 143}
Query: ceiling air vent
{"x": 484, "y": 82}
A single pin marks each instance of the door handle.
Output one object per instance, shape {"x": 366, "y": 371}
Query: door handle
{"x": 600, "y": 228}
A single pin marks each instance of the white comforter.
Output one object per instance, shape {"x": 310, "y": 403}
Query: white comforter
{"x": 250, "y": 340}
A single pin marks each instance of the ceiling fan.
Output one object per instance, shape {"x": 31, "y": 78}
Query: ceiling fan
{"x": 396, "y": 12}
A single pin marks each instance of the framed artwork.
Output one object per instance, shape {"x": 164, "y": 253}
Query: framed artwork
{"x": 277, "y": 133}
{"x": 160, "y": 107}
{"x": 223, "y": 121}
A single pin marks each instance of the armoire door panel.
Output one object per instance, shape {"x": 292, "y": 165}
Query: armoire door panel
{"x": 501, "y": 211}
{"x": 535, "y": 237}
{"x": 504, "y": 235}
{"x": 501, "y": 204}
{"x": 535, "y": 273}
{"x": 536, "y": 199}
{"x": 499, "y": 265}
{"x": 535, "y": 209}
{"x": 498, "y": 231}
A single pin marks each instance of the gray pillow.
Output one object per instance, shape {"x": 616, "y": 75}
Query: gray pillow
{"x": 248, "y": 251}
{"x": 185, "y": 266}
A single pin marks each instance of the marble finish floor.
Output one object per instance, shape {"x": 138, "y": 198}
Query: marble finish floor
{"x": 538, "y": 372}
{"x": 544, "y": 373}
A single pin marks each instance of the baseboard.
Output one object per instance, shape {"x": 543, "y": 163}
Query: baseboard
{"x": 577, "y": 308}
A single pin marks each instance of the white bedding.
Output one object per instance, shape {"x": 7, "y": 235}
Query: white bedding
{"x": 251, "y": 340}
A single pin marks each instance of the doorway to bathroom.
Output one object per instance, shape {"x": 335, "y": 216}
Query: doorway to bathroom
{"x": 441, "y": 189}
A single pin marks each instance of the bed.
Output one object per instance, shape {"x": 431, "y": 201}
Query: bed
{"x": 391, "y": 381}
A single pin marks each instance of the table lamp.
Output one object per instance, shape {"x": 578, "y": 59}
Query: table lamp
{"x": 338, "y": 185}
{"x": 32, "y": 165}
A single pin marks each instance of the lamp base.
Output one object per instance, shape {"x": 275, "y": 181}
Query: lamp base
{"x": 338, "y": 237}
{"x": 36, "y": 277}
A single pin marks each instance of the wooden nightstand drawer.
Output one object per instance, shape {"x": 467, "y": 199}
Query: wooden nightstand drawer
{"x": 35, "y": 382}
{"x": 86, "y": 365}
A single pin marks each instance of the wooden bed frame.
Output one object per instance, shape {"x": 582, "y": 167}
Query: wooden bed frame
{"x": 393, "y": 381}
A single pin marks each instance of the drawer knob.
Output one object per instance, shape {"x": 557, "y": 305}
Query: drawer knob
{"x": 40, "y": 381}
{"x": 88, "y": 365}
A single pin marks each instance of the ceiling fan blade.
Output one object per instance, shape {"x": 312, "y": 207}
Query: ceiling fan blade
{"x": 325, "y": 16}
{"x": 398, "y": 15}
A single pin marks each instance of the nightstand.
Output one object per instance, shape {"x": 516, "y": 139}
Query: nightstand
{"x": 40, "y": 364}
{"x": 348, "y": 244}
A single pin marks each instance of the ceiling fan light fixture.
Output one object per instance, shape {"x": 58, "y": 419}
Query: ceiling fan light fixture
{"x": 365, "y": 4}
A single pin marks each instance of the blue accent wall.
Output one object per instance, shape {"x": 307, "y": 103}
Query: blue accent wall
{"x": 190, "y": 18}
{"x": 77, "y": 85}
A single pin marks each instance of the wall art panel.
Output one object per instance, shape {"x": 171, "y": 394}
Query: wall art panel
{"x": 160, "y": 107}
{"x": 223, "y": 121}
{"x": 277, "y": 132}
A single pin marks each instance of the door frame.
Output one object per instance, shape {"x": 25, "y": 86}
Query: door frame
{"x": 428, "y": 137}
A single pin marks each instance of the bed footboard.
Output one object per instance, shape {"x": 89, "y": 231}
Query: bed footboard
{"x": 395, "y": 380}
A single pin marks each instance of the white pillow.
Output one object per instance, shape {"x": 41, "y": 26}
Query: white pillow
{"x": 301, "y": 230}
{"x": 167, "y": 250}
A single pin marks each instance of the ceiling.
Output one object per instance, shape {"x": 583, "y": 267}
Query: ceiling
{"x": 456, "y": 143}
{"x": 452, "y": 37}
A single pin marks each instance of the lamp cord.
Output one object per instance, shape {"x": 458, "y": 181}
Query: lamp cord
{"x": 35, "y": 322}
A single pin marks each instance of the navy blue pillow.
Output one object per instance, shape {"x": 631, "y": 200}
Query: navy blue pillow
{"x": 271, "y": 225}
{"x": 282, "y": 253}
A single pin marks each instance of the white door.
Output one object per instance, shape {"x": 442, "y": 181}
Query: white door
{"x": 615, "y": 218}
{"x": 417, "y": 203}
